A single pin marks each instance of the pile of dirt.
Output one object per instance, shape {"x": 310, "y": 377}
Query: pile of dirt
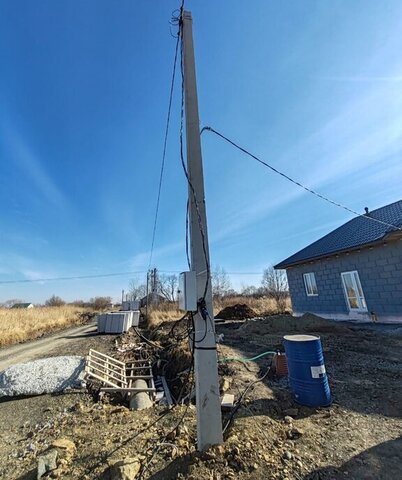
{"x": 239, "y": 311}
{"x": 286, "y": 324}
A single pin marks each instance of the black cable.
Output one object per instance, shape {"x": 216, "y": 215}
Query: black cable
{"x": 107, "y": 455}
{"x": 187, "y": 232}
{"x": 159, "y": 445}
{"x": 193, "y": 330}
{"x": 146, "y": 340}
{"x": 295, "y": 182}
{"x": 76, "y": 277}
{"x": 164, "y": 150}
{"x": 191, "y": 187}
{"x": 240, "y": 400}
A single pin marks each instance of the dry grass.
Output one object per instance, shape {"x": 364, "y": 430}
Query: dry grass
{"x": 161, "y": 313}
{"x": 18, "y": 325}
{"x": 170, "y": 311}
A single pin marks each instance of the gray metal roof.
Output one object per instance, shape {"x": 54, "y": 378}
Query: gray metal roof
{"x": 356, "y": 233}
{"x": 21, "y": 305}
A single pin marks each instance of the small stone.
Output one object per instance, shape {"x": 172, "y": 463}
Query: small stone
{"x": 225, "y": 384}
{"x": 297, "y": 432}
{"x": 66, "y": 445}
{"x": 120, "y": 409}
{"x": 56, "y": 473}
{"x": 255, "y": 466}
{"x": 291, "y": 412}
{"x": 288, "y": 419}
{"x": 126, "y": 469}
{"x": 47, "y": 463}
{"x": 182, "y": 430}
{"x": 287, "y": 455}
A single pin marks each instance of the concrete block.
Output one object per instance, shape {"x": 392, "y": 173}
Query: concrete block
{"x": 141, "y": 400}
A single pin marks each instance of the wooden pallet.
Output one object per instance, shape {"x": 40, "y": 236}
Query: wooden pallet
{"x": 117, "y": 376}
{"x": 107, "y": 369}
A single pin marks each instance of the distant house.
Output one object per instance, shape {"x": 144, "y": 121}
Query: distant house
{"x": 354, "y": 272}
{"x": 152, "y": 299}
{"x": 22, "y": 305}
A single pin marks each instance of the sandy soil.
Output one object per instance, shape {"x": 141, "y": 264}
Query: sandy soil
{"x": 358, "y": 437}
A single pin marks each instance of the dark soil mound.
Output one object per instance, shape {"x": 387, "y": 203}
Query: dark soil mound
{"x": 237, "y": 312}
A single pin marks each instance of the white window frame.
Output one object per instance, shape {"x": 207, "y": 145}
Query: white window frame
{"x": 308, "y": 284}
{"x": 361, "y": 300}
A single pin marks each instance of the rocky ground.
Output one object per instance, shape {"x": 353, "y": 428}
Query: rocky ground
{"x": 358, "y": 437}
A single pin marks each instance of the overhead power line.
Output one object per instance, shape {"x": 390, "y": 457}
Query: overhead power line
{"x": 80, "y": 277}
{"x": 295, "y": 182}
{"x": 105, "y": 275}
{"x": 164, "y": 151}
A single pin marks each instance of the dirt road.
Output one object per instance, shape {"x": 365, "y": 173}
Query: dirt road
{"x": 41, "y": 347}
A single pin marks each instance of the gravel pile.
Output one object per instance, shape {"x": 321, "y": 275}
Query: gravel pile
{"x": 47, "y": 375}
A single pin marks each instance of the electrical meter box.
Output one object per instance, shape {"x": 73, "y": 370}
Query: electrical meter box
{"x": 187, "y": 292}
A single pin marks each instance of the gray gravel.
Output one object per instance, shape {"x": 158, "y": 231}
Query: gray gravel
{"x": 47, "y": 375}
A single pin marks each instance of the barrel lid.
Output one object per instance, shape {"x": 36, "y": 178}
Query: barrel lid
{"x": 300, "y": 338}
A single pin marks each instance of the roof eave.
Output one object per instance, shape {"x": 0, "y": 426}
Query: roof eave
{"x": 390, "y": 236}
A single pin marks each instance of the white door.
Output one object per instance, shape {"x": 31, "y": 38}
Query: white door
{"x": 353, "y": 291}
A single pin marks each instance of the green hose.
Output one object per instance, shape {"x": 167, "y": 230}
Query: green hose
{"x": 242, "y": 359}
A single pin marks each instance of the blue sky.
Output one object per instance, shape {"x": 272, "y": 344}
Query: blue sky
{"x": 313, "y": 87}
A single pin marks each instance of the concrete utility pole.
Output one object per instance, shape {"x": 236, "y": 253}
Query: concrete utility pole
{"x": 209, "y": 421}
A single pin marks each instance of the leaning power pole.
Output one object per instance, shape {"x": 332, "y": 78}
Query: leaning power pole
{"x": 209, "y": 421}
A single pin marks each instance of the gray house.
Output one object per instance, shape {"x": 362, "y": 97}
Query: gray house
{"x": 354, "y": 272}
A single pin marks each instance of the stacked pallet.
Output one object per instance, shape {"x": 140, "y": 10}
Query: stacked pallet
{"x": 117, "y": 322}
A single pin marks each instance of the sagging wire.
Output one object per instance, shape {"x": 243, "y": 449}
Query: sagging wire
{"x": 187, "y": 233}
{"x": 164, "y": 151}
{"x": 295, "y": 182}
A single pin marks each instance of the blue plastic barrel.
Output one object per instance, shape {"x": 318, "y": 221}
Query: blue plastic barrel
{"x": 307, "y": 376}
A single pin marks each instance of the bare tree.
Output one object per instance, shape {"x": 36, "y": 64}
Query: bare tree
{"x": 100, "y": 303}
{"x": 249, "y": 290}
{"x": 11, "y": 302}
{"x": 137, "y": 290}
{"x": 275, "y": 284}
{"x": 55, "y": 301}
{"x": 167, "y": 286}
{"x": 220, "y": 282}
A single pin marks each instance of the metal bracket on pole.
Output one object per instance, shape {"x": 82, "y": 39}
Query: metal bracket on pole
{"x": 209, "y": 421}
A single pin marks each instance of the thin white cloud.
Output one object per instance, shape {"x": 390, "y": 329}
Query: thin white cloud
{"x": 21, "y": 265}
{"x": 24, "y": 157}
{"x": 362, "y": 79}
{"x": 141, "y": 260}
